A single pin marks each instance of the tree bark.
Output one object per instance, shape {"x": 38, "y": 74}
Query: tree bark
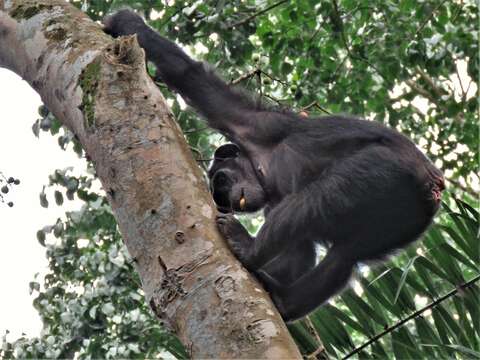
{"x": 99, "y": 89}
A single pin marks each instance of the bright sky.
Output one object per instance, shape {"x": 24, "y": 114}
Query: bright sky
{"x": 31, "y": 160}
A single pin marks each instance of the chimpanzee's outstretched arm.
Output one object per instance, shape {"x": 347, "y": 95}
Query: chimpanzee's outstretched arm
{"x": 228, "y": 111}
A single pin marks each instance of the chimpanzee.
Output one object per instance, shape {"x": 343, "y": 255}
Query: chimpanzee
{"x": 356, "y": 187}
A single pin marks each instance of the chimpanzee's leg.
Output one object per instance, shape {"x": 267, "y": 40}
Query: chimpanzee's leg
{"x": 313, "y": 288}
{"x": 290, "y": 265}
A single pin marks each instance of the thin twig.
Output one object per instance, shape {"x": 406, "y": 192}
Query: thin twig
{"x": 454, "y": 17}
{"x": 278, "y": 101}
{"x": 339, "y": 67}
{"x": 412, "y": 316}
{"x": 425, "y": 22}
{"x": 314, "y": 34}
{"x": 247, "y": 19}
{"x": 400, "y": 97}
{"x": 317, "y": 105}
{"x": 245, "y": 76}
{"x": 164, "y": 22}
{"x": 437, "y": 90}
{"x": 468, "y": 86}
{"x": 275, "y": 79}
{"x": 420, "y": 90}
{"x": 464, "y": 94}
{"x": 469, "y": 191}
{"x": 350, "y": 13}
{"x": 259, "y": 81}
{"x": 347, "y": 46}
{"x": 320, "y": 349}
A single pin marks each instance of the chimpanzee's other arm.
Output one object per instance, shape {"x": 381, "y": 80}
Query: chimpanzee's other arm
{"x": 230, "y": 112}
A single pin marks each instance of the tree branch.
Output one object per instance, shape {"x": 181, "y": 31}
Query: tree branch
{"x": 253, "y": 16}
{"x": 436, "y": 89}
{"x": 347, "y": 46}
{"x": 468, "y": 190}
{"x": 245, "y": 76}
{"x": 98, "y": 87}
{"x": 425, "y": 22}
{"x": 317, "y": 105}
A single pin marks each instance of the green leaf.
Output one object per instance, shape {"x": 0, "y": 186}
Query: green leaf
{"x": 467, "y": 208}
{"x": 372, "y": 291}
{"x": 302, "y": 337}
{"x": 404, "y": 277}
{"x": 424, "y": 274}
{"x": 364, "y": 319}
{"x": 58, "y": 198}
{"x": 442, "y": 329}
{"x": 455, "y": 331}
{"x": 400, "y": 345}
{"x": 286, "y": 68}
{"x": 342, "y": 338}
{"x": 344, "y": 317}
{"x": 457, "y": 255}
{"x": 36, "y": 128}
{"x": 466, "y": 351}
{"x": 33, "y": 286}
{"x": 460, "y": 241}
{"x": 41, "y": 237}
{"x": 427, "y": 335}
{"x": 43, "y": 199}
{"x": 422, "y": 261}
{"x": 464, "y": 322}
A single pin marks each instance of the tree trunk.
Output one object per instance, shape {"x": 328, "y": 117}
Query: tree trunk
{"x": 99, "y": 89}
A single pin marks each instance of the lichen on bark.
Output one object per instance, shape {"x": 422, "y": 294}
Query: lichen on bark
{"x": 88, "y": 81}
{"x": 26, "y": 11}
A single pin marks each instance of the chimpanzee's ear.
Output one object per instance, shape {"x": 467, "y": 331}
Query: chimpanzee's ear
{"x": 227, "y": 151}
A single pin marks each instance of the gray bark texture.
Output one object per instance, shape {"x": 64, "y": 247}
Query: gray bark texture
{"x": 99, "y": 89}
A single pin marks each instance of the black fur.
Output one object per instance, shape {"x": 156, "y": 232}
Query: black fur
{"x": 357, "y": 187}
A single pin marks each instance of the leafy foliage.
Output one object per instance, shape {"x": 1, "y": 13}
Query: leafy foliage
{"x": 6, "y": 184}
{"x": 91, "y": 302}
{"x": 410, "y": 64}
{"x": 422, "y": 305}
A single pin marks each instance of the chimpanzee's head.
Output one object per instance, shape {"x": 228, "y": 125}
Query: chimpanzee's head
{"x": 233, "y": 181}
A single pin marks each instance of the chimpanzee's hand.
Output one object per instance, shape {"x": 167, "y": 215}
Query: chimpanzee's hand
{"x": 238, "y": 239}
{"x": 123, "y": 22}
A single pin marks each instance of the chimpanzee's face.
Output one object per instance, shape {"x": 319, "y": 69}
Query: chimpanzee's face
{"x": 233, "y": 182}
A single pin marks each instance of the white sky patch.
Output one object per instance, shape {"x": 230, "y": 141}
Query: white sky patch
{"x": 420, "y": 301}
{"x": 181, "y": 102}
{"x": 155, "y": 15}
{"x": 357, "y": 287}
{"x": 213, "y": 37}
{"x": 31, "y": 160}
{"x": 462, "y": 83}
{"x": 201, "y": 49}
